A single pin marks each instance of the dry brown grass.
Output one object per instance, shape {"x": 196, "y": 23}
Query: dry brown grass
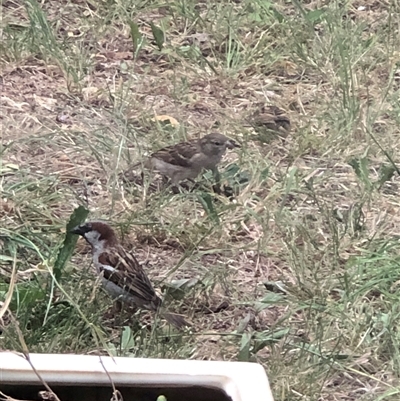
{"x": 77, "y": 108}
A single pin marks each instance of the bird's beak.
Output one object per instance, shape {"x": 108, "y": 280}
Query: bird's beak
{"x": 79, "y": 230}
{"x": 231, "y": 144}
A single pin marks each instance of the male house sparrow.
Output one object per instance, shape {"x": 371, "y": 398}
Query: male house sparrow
{"x": 122, "y": 275}
{"x": 186, "y": 160}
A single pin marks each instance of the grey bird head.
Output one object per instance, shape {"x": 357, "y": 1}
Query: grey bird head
{"x": 215, "y": 144}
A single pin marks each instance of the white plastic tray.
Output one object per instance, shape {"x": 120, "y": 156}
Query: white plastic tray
{"x": 240, "y": 381}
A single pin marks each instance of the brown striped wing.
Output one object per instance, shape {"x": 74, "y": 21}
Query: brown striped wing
{"x": 179, "y": 154}
{"x": 129, "y": 275}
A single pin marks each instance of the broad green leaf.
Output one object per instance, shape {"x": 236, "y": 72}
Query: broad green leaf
{"x": 386, "y": 172}
{"x": 158, "y": 35}
{"x": 127, "y": 340}
{"x": 245, "y": 344}
{"x": 77, "y": 217}
{"x": 231, "y": 170}
{"x": 280, "y": 17}
{"x": 25, "y": 295}
{"x": 271, "y": 298}
{"x": 360, "y": 167}
{"x": 265, "y": 338}
{"x": 137, "y": 37}
{"x": 206, "y": 201}
{"x": 314, "y": 16}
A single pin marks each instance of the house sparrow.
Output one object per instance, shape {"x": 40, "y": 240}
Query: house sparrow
{"x": 270, "y": 122}
{"x": 121, "y": 274}
{"x": 186, "y": 160}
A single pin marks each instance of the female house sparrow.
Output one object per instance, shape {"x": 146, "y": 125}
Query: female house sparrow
{"x": 186, "y": 160}
{"x": 270, "y": 123}
{"x": 122, "y": 275}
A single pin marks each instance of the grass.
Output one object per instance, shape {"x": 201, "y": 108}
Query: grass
{"x": 299, "y": 271}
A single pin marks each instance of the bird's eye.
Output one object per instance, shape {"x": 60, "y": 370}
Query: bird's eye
{"x": 218, "y": 143}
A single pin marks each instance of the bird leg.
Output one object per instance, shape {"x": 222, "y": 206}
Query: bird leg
{"x": 117, "y": 312}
